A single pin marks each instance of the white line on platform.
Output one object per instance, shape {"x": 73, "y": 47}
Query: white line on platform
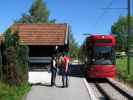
{"x": 91, "y": 92}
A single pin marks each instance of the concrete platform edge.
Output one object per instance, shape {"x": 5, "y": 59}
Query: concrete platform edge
{"x": 91, "y": 92}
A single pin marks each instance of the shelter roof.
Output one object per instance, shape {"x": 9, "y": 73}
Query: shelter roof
{"x": 42, "y": 34}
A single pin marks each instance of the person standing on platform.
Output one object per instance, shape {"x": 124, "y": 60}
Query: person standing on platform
{"x": 53, "y": 71}
{"x": 65, "y": 70}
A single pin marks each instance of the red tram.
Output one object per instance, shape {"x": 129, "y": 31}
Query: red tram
{"x": 99, "y": 56}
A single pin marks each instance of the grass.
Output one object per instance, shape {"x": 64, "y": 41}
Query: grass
{"x": 13, "y": 92}
{"x": 121, "y": 64}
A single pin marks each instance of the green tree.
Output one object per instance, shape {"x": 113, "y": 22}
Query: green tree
{"x": 73, "y": 47}
{"x": 119, "y": 28}
{"x": 82, "y": 53}
{"x": 38, "y": 13}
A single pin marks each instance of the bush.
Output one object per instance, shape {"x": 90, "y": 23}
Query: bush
{"x": 121, "y": 64}
{"x": 15, "y": 60}
{"x": 8, "y": 92}
{"x": 23, "y": 62}
{"x": 0, "y": 64}
{"x": 12, "y": 75}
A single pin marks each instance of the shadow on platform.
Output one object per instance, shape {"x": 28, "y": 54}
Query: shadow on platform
{"x": 41, "y": 84}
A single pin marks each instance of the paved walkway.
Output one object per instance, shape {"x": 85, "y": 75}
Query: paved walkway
{"x": 76, "y": 91}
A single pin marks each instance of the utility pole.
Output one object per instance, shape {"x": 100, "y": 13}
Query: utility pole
{"x": 128, "y": 8}
{"x": 128, "y": 38}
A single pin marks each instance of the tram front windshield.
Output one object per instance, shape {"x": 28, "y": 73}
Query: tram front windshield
{"x": 103, "y": 55}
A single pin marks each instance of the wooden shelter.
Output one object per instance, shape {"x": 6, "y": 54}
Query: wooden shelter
{"x": 43, "y": 40}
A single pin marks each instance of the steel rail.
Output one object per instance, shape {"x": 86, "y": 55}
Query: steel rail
{"x": 123, "y": 92}
{"x": 105, "y": 94}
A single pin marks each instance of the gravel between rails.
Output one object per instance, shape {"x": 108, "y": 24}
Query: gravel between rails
{"x": 111, "y": 92}
{"x": 122, "y": 88}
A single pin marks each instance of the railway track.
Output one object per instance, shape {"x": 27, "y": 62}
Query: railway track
{"x": 109, "y": 90}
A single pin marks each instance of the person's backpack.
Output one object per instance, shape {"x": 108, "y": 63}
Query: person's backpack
{"x": 60, "y": 61}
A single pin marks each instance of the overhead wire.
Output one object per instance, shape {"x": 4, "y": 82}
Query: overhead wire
{"x": 103, "y": 13}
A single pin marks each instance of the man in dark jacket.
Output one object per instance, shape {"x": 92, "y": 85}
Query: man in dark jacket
{"x": 53, "y": 71}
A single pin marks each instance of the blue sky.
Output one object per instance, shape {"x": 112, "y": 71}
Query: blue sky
{"x": 84, "y": 16}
